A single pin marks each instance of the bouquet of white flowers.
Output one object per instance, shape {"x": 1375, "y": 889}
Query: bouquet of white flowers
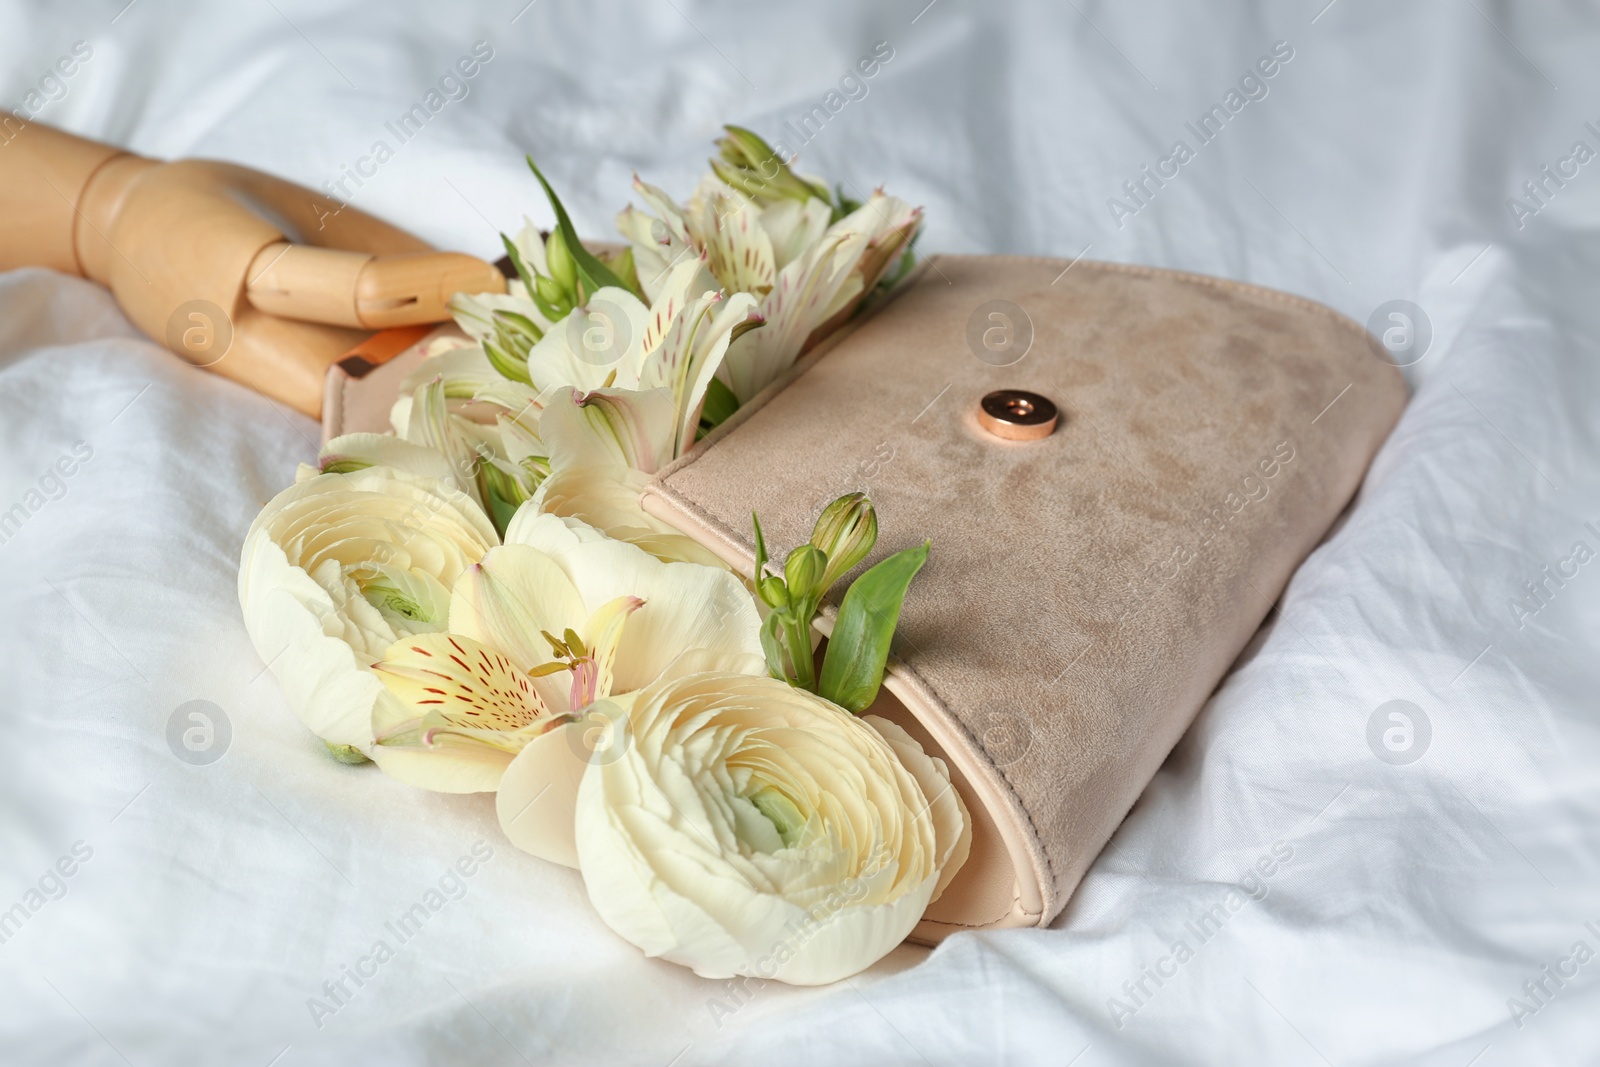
{"x": 477, "y": 602}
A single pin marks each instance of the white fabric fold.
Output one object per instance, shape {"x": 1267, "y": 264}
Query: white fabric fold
{"x": 1407, "y": 905}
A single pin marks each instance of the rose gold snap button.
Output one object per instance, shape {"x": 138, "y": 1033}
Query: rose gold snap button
{"x": 1017, "y": 415}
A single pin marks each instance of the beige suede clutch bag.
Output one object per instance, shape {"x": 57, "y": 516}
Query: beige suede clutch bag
{"x": 1087, "y": 590}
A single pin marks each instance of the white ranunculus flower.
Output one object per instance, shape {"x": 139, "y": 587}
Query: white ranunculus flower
{"x": 750, "y": 828}
{"x": 554, "y": 620}
{"x": 338, "y": 567}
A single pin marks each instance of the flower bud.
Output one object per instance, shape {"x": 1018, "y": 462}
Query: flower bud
{"x": 558, "y": 260}
{"x": 773, "y": 592}
{"x": 846, "y": 530}
{"x": 804, "y": 570}
{"x": 621, "y": 264}
{"x": 557, "y": 297}
{"x": 346, "y": 753}
{"x": 515, "y": 332}
{"x": 507, "y": 346}
{"x": 754, "y": 168}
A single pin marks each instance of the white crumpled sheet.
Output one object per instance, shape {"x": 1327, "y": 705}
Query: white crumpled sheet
{"x": 1416, "y": 899}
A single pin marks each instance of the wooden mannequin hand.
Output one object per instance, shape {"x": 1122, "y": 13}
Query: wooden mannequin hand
{"x": 262, "y": 280}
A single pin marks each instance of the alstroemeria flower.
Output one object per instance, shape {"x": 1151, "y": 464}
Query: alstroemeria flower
{"x": 755, "y": 168}
{"x": 676, "y": 344}
{"x": 553, "y": 621}
{"x": 750, "y": 828}
{"x": 607, "y": 498}
{"x": 808, "y": 275}
{"x": 622, "y": 388}
{"x": 338, "y": 567}
{"x": 485, "y": 426}
{"x": 817, "y": 292}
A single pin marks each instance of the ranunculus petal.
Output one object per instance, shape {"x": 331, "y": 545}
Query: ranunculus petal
{"x": 952, "y": 825}
{"x": 294, "y": 624}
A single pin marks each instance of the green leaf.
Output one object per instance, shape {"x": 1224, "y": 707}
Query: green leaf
{"x": 772, "y": 645}
{"x": 852, "y": 670}
{"x": 593, "y": 275}
{"x": 553, "y": 311}
{"x": 529, "y": 276}
{"x": 719, "y": 404}
{"x": 761, "y": 547}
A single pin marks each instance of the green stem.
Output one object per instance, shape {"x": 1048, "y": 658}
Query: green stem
{"x": 797, "y": 635}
